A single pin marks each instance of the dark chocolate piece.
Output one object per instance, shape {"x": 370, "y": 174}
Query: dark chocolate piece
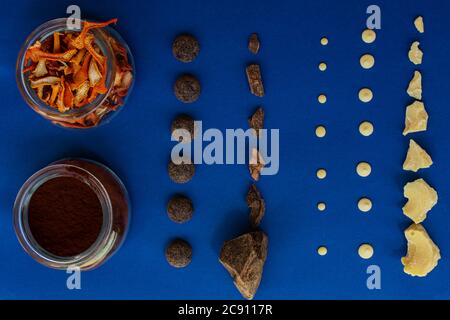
{"x": 257, "y": 206}
{"x": 256, "y": 164}
{"x": 244, "y": 259}
{"x": 253, "y": 43}
{"x": 256, "y": 121}
{"x": 255, "y": 80}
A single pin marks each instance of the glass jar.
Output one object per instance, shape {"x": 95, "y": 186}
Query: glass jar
{"x": 114, "y": 202}
{"x": 104, "y": 106}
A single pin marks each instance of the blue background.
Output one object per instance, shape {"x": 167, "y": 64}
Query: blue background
{"x": 136, "y": 144}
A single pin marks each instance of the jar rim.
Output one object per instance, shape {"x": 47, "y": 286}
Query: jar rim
{"x": 20, "y": 217}
{"x": 41, "y": 33}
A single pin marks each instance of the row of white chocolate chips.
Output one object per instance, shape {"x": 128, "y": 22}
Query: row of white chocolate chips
{"x": 363, "y": 169}
{"x": 423, "y": 255}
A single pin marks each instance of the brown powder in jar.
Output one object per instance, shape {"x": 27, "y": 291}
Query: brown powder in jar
{"x": 65, "y": 216}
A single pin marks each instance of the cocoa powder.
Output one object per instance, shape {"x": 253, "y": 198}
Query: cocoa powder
{"x": 65, "y": 216}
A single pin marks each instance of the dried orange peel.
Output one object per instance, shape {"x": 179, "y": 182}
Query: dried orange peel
{"x": 68, "y": 70}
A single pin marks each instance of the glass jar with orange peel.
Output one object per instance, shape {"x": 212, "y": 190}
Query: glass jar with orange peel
{"x": 75, "y": 78}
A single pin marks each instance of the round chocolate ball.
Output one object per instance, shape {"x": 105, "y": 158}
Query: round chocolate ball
{"x": 185, "y": 48}
{"x": 183, "y": 122}
{"x": 187, "y": 88}
{"x": 179, "y": 253}
{"x": 180, "y": 209}
{"x": 181, "y": 173}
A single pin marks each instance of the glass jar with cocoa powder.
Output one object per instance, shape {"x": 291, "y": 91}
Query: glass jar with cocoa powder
{"x": 72, "y": 213}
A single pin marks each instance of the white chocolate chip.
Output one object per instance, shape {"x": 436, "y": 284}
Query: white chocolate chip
{"x": 322, "y": 66}
{"x": 423, "y": 254}
{"x": 363, "y": 169}
{"x": 321, "y": 174}
{"x": 367, "y": 61}
{"x": 322, "y": 251}
{"x": 321, "y": 206}
{"x": 365, "y": 95}
{"x": 415, "y": 86}
{"x": 364, "y": 204}
{"x": 321, "y": 131}
{"x": 418, "y": 23}
{"x": 421, "y": 199}
{"x": 322, "y": 98}
{"x": 417, "y": 158}
{"x": 368, "y": 36}
{"x": 366, "y": 128}
{"x": 415, "y": 55}
{"x": 416, "y": 118}
{"x": 365, "y": 251}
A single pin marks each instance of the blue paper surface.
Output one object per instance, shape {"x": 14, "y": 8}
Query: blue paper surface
{"x": 136, "y": 145}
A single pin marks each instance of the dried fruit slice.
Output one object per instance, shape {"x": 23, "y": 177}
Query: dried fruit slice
{"x": 415, "y": 54}
{"x": 41, "y": 69}
{"x": 244, "y": 259}
{"x": 418, "y": 23}
{"x": 416, "y": 118}
{"x": 421, "y": 199}
{"x": 415, "y": 86}
{"x": 423, "y": 254}
{"x": 416, "y": 158}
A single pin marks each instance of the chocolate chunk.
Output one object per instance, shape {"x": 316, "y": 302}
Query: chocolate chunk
{"x": 186, "y": 123}
{"x": 253, "y": 43}
{"x": 181, "y": 173}
{"x": 244, "y": 259}
{"x": 256, "y": 121}
{"x": 256, "y": 164}
{"x": 180, "y": 209}
{"x": 179, "y": 253}
{"x": 187, "y": 88}
{"x": 185, "y": 48}
{"x": 255, "y": 80}
{"x": 257, "y": 206}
